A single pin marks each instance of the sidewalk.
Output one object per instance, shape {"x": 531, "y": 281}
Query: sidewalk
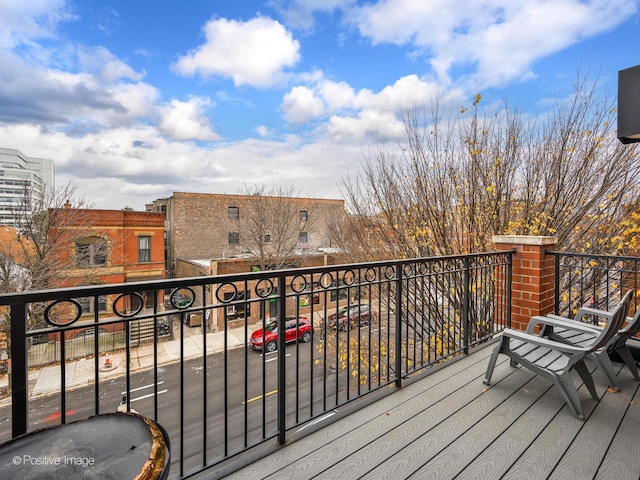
{"x": 46, "y": 380}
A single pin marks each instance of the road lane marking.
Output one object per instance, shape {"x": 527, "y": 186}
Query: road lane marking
{"x": 146, "y": 396}
{"x": 276, "y": 358}
{"x": 318, "y": 420}
{"x": 260, "y": 396}
{"x": 142, "y": 388}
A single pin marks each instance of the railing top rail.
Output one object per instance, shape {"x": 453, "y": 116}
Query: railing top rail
{"x": 592, "y": 255}
{"x": 17, "y": 298}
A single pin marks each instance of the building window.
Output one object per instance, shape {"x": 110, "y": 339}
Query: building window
{"x": 303, "y": 237}
{"x": 304, "y": 215}
{"x": 267, "y": 238}
{"x": 234, "y": 238}
{"x": 234, "y": 212}
{"x": 144, "y": 249}
{"x": 89, "y": 304}
{"x": 237, "y": 310}
{"x": 91, "y": 252}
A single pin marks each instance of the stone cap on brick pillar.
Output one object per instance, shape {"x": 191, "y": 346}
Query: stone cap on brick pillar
{"x": 533, "y": 276}
{"x": 524, "y": 240}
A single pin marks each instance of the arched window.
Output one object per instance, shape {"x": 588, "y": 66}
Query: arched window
{"x": 91, "y": 252}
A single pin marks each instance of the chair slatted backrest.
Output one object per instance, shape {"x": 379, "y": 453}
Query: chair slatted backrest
{"x": 614, "y": 325}
{"x": 631, "y": 329}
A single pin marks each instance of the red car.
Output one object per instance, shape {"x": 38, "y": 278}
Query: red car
{"x": 304, "y": 330}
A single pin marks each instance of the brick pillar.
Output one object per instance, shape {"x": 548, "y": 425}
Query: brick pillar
{"x": 533, "y": 277}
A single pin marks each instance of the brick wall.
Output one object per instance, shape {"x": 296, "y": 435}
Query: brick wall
{"x": 121, "y": 229}
{"x": 533, "y": 280}
{"x": 198, "y": 224}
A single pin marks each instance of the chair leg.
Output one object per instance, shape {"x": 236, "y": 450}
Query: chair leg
{"x": 629, "y": 361}
{"x": 570, "y": 395}
{"x": 604, "y": 363}
{"x": 583, "y": 371}
{"x": 492, "y": 364}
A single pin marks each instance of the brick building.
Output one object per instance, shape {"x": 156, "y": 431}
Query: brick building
{"x": 256, "y": 310}
{"x": 105, "y": 246}
{"x": 218, "y": 226}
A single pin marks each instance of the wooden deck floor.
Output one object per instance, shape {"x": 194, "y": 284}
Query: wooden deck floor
{"x": 450, "y": 425}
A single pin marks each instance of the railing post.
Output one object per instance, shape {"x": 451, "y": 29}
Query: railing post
{"x": 465, "y": 307}
{"x": 509, "y": 288}
{"x": 533, "y": 282}
{"x": 398, "y": 314}
{"x": 19, "y": 368}
{"x": 556, "y": 300}
{"x": 282, "y": 371}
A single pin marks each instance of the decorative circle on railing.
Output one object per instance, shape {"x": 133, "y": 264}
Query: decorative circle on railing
{"x": 409, "y": 270}
{"x": 264, "y": 291}
{"x": 326, "y": 280}
{"x": 453, "y": 265}
{"x": 133, "y": 311}
{"x": 389, "y": 272}
{"x": 423, "y": 268}
{"x": 182, "y": 298}
{"x": 349, "y": 277}
{"x": 233, "y": 295}
{"x": 480, "y": 262}
{"x": 52, "y": 316}
{"x": 370, "y": 274}
{"x": 571, "y": 261}
{"x": 298, "y": 287}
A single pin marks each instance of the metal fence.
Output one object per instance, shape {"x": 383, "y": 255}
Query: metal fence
{"x": 596, "y": 281}
{"x": 359, "y": 328}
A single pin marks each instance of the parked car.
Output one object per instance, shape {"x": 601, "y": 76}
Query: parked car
{"x": 351, "y": 316}
{"x": 295, "y": 329}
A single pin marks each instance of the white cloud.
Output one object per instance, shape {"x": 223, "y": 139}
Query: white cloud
{"x": 380, "y": 125}
{"x": 132, "y": 166}
{"x": 501, "y": 38}
{"x": 404, "y": 93}
{"x": 301, "y": 105}
{"x": 336, "y": 95}
{"x": 356, "y": 115}
{"x": 186, "y": 120}
{"x": 263, "y": 131}
{"x": 252, "y": 53}
{"x": 23, "y": 21}
{"x": 139, "y": 99}
{"x": 105, "y": 65}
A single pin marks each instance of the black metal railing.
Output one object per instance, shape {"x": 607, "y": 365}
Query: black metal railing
{"x": 373, "y": 325}
{"x": 597, "y": 281}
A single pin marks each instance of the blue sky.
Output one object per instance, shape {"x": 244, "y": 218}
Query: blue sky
{"x": 134, "y": 100}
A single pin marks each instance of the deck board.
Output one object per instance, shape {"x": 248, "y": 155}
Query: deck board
{"x": 588, "y": 449}
{"x": 450, "y": 425}
{"x": 462, "y": 372}
{"x": 622, "y": 460}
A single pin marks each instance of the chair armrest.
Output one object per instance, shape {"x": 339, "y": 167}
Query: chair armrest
{"x": 557, "y": 321}
{"x": 582, "y": 311}
{"x": 543, "y": 342}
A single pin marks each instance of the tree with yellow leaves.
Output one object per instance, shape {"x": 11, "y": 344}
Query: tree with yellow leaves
{"x": 459, "y": 176}
{"x": 456, "y": 179}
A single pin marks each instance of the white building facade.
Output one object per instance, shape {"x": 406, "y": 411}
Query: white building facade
{"x": 19, "y": 176}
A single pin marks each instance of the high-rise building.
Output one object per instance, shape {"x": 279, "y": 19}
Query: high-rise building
{"x": 19, "y": 176}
